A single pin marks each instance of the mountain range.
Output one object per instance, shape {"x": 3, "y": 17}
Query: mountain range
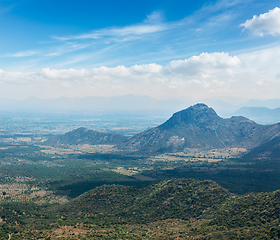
{"x": 102, "y": 104}
{"x": 195, "y": 127}
{"x": 225, "y": 106}
{"x": 261, "y": 115}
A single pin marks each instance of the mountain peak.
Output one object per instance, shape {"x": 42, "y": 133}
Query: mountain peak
{"x": 82, "y": 129}
{"x": 199, "y": 113}
{"x": 200, "y": 105}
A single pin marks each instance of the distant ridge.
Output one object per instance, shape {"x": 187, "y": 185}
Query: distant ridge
{"x": 116, "y": 103}
{"x": 86, "y": 136}
{"x": 261, "y": 115}
{"x": 195, "y": 127}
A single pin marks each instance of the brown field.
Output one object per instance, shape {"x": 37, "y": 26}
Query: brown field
{"x": 165, "y": 229}
{"x": 128, "y": 172}
{"x": 20, "y": 192}
{"x": 78, "y": 149}
{"x": 87, "y": 148}
{"x": 213, "y": 155}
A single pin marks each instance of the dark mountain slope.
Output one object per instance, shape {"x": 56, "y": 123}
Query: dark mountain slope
{"x": 86, "y": 136}
{"x": 200, "y": 127}
{"x": 269, "y": 150}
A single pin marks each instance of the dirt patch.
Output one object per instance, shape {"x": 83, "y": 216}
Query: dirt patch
{"x": 68, "y": 232}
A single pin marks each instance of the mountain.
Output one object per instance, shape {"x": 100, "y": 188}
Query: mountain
{"x": 260, "y": 115}
{"x": 195, "y": 127}
{"x": 200, "y": 127}
{"x": 270, "y": 103}
{"x": 85, "y": 136}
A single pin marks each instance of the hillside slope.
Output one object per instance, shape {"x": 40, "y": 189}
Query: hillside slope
{"x": 269, "y": 150}
{"x": 177, "y": 198}
{"x": 173, "y": 209}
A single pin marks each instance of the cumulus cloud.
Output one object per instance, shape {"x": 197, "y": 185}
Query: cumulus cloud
{"x": 267, "y": 23}
{"x": 206, "y": 66}
{"x": 206, "y": 75}
{"x": 205, "y": 61}
{"x": 62, "y": 74}
{"x": 17, "y": 78}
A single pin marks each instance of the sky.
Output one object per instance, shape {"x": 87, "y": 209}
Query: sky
{"x": 179, "y": 49}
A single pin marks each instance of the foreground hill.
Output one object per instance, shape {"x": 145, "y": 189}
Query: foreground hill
{"x": 195, "y": 127}
{"x": 173, "y": 209}
{"x": 177, "y": 198}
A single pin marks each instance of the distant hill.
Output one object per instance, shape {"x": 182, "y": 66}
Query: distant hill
{"x": 200, "y": 127}
{"x": 85, "y": 136}
{"x": 195, "y": 127}
{"x": 270, "y": 103}
{"x": 260, "y": 115}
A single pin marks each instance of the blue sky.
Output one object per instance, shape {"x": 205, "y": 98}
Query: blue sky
{"x": 164, "y": 49}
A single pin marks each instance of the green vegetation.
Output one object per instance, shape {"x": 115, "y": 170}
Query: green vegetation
{"x": 165, "y": 210}
{"x": 181, "y": 198}
{"x": 84, "y": 191}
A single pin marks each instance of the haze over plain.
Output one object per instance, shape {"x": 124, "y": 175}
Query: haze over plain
{"x": 163, "y": 49}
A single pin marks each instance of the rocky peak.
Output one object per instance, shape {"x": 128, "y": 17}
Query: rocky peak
{"x": 197, "y": 114}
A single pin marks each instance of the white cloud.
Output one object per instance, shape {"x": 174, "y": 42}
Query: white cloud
{"x": 206, "y": 60}
{"x": 267, "y": 23}
{"x": 66, "y": 48}
{"x": 152, "y": 24}
{"x": 62, "y": 74}
{"x": 221, "y": 4}
{"x": 250, "y": 75}
{"x": 17, "y": 78}
{"x": 147, "y": 68}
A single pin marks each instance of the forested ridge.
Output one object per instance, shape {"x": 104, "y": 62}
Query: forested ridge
{"x": 171, "y": 209}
